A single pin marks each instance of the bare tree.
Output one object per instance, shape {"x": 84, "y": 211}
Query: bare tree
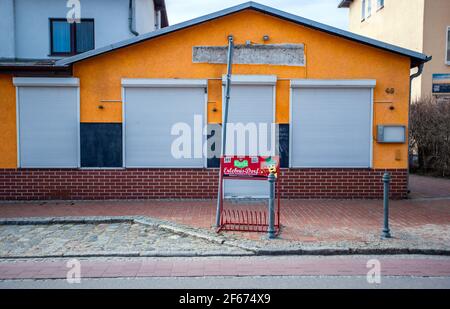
{"x": 430, "y": 135}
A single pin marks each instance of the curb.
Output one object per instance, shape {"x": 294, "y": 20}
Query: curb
{"x": 126, "y": 255}
{"x": 354, "y": 251}
{"x": 251, "y": 250}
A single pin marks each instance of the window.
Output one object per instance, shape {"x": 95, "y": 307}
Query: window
{"x": 71, "y": 38}
{"x": 448, "y": 46}
{"x": 380, "y": 4}
{"x": 363, "y": 10}
{"x": 369, "y": 8}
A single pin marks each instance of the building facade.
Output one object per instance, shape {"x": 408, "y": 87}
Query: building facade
{"x": 38, "y": 30}
{"x": 420, "y": 25}
{"x": 131, "y": 121}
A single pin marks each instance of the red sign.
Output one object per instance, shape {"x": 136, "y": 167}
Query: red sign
{"x": 247, "y": 166}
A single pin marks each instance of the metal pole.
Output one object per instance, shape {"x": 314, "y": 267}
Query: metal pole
{"x": 386, "y": 180}
{"x": 271, "y": 228}
{"x": 224, "y": 124}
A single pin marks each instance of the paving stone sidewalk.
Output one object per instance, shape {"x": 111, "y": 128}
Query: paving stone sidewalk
{"x": 420, "y": 225}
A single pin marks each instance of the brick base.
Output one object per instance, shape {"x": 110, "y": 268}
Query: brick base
{"x": 341, "y": 183}
{"x": 75, "y": 184}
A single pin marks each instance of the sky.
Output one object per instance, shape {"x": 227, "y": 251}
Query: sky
{"x": 324, "y": 11}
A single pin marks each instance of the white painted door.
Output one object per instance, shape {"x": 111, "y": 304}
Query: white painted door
{"x": 251, "y": 105}
{"x": 331, "y": 127}
{"x": 156, "y": 115}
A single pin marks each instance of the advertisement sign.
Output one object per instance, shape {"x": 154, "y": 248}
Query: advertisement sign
{"x": 441, "y": 83}
{"x": 249, "y": 166}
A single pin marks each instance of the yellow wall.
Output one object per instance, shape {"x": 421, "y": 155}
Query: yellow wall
{"x": 327, "y": 57}
{"x": 8, "y": 140}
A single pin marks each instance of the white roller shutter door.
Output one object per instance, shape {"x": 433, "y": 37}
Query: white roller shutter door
{"x": 151, "y": 109}
{"x": 48, "y": 122}
{"x": 252, "y": 102}
{"x": 331, "y": 126}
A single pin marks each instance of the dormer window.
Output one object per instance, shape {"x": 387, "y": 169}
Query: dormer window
{"x": 71, "y": 38}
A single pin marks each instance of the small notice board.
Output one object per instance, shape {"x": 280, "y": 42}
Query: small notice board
{"x": 248, "y": 168}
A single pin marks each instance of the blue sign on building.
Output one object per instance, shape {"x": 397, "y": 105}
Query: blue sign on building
{"x": 441, "y": 83}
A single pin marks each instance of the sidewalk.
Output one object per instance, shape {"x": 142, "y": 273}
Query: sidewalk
{"x": 429, "y": 187}
{"x": 307, "y": 225}
{"x": 223, "y": 266}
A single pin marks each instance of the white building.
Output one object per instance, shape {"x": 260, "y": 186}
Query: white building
{"x": 36, "y": 32}
{"x": 419, "y": 25}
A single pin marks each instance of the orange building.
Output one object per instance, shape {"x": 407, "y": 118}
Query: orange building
{"x": 335, "y": 104}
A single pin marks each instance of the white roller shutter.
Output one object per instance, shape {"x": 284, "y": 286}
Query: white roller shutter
{"x": 151, "y": 109}
{"x": 331, "y": 124}
{"x": 48, "y": 122}
{"x": 252, "y": 103}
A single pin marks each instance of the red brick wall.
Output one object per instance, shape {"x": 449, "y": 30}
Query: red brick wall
{"x": 44, "y": 184}
{"x": 341, "y": 183}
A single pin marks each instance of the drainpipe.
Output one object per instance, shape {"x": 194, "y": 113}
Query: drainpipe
{"x": 411, "y": 78}
{"x": 158, "y": 20}
{"x": 130, "y": 18}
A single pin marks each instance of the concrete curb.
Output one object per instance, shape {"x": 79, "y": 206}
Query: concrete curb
{"x": 125, "y": 254}
{"x": 251, "y": 248}
{"x": 354, "y": 251}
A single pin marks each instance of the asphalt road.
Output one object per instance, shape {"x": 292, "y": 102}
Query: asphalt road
{"x": 269, "y": 282}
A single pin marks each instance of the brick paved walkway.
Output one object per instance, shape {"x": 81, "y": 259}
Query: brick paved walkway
{"x": 303, "y": 220}
{"x": 255, "y": 266}
{"x": 422, "y": 187}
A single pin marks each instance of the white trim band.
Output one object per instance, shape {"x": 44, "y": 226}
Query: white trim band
{"x": 46, "y": 82}
{"x": 163, "y": 83}
{"x": 251, "y": 79}
{"x": 323, "y": 83}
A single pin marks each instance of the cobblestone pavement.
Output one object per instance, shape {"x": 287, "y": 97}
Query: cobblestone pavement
{"x": 417, "y": 265}
{"x": 97, "y": 239}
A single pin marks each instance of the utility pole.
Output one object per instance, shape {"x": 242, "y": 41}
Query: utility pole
{"x": 224, "y": 125}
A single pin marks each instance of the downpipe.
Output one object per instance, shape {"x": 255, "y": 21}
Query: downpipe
{"x": 411, "y": 78}
{"x": 130, "y": 18}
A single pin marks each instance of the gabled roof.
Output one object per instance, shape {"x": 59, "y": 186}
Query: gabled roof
{"x": 345, "y": 3}
{"x": 416, "y": 58}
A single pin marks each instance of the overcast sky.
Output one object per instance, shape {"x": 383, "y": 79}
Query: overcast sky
{"x": 324, "y": 11}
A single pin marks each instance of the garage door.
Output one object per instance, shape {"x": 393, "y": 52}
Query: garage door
{"x": 251, "y": 103}
{"x": 331, "y": 123}
{"x": 152, "y": 108}
{"x": 48, "y": 122}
